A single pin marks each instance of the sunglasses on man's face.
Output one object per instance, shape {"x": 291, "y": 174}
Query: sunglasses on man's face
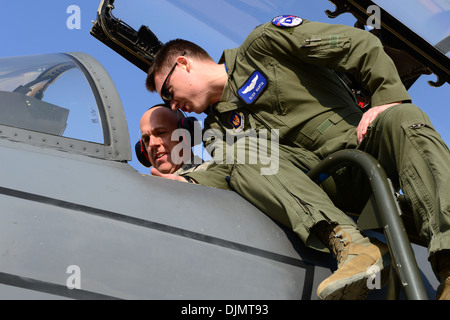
{"x": 165, "y": 93}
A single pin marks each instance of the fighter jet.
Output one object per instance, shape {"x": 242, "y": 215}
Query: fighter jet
{"x": 78, "y": 222}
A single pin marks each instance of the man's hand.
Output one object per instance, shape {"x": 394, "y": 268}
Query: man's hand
{"x": 368, "y": 117}
{"x": 167, "y": 175}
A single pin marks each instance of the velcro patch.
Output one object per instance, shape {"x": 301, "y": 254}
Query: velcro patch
{"x": 253, "y": 87}
{"x": 287, "y": 21}
{"x": 237, "y": 120}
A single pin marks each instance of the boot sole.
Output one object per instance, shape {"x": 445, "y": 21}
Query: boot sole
{"x": 355, "y": 287}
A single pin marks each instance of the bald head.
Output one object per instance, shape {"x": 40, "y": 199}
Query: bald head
{"x": 157, "y": 125}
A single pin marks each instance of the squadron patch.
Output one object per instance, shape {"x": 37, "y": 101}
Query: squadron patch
{"x": 254, "y": 86}
{"x": 287, "y": 21}
{"x": 237, "y": 120}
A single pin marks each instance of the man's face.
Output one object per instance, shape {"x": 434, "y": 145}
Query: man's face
{"x": 185, "y": 86}
{"x": 157, "y": 125}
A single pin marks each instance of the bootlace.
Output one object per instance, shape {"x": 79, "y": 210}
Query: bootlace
{"x": 338, "y": 244}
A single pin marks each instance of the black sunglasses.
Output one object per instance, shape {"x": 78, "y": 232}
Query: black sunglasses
{"x": 165, "y": 93}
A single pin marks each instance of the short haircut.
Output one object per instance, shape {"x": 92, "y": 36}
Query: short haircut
{"x": 180, "y": 115}
{"x": 167, "y": 54}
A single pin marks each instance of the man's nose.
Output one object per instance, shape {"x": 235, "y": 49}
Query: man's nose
{"x": 174, "y": 105}
{"x": 154, "y": 142}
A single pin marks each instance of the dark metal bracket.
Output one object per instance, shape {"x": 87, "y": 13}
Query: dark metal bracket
{"x": 138, "y": 47}
{"x": 412, "y": 55}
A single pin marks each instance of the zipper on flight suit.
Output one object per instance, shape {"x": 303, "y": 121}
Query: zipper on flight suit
{"x": 279, "y": 108}
{"x": 304, "y": 204}
{"x": 311, "y": 43}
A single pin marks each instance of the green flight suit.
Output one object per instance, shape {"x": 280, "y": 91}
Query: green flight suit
{"x": 283, "y": 77}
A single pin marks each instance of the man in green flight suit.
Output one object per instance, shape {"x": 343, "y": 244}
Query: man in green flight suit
{"x": 282, "y": 82}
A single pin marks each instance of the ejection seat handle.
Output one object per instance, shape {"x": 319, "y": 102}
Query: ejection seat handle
{"x": 388, "y": 212}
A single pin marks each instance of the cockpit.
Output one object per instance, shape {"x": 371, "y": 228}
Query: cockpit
{"x": 432, "y": 24}
{"x": 66, "y": 101}
{"x": 48, "y": 94}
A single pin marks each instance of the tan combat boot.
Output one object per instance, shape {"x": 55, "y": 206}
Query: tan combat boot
{"x": 359, "y": 260}
{"x": 443, "y": 291}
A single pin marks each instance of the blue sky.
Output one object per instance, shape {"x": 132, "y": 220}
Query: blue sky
{"x": 39, "y": 27}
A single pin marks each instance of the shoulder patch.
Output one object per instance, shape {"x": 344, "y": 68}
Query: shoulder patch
{"x": 237, "y": 120}
{"x": 253, "y": 87}
{"x": 287, "y": 21}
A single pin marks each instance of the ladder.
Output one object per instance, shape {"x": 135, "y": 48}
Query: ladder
{"x": 387, "y": 216}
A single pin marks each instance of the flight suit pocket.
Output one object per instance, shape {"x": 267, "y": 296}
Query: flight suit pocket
{"x": 420, "y": 199}
{"x": 276, "y": 98}
{"x": 327, "y": 126}
{"x": 326, "y": 46}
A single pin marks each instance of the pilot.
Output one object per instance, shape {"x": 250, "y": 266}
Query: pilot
{"x": 157, "y": 148}
{"x": 283, "y": 77}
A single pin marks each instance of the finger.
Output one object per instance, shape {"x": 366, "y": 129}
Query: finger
{"x": 169, "y": 176}
{"x": 361, "y": 130}
{"x": 360, "y": 135}
{"x": 156, "y": 172}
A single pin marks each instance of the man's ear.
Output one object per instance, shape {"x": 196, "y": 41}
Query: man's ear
{"x": 184, "y": 62}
